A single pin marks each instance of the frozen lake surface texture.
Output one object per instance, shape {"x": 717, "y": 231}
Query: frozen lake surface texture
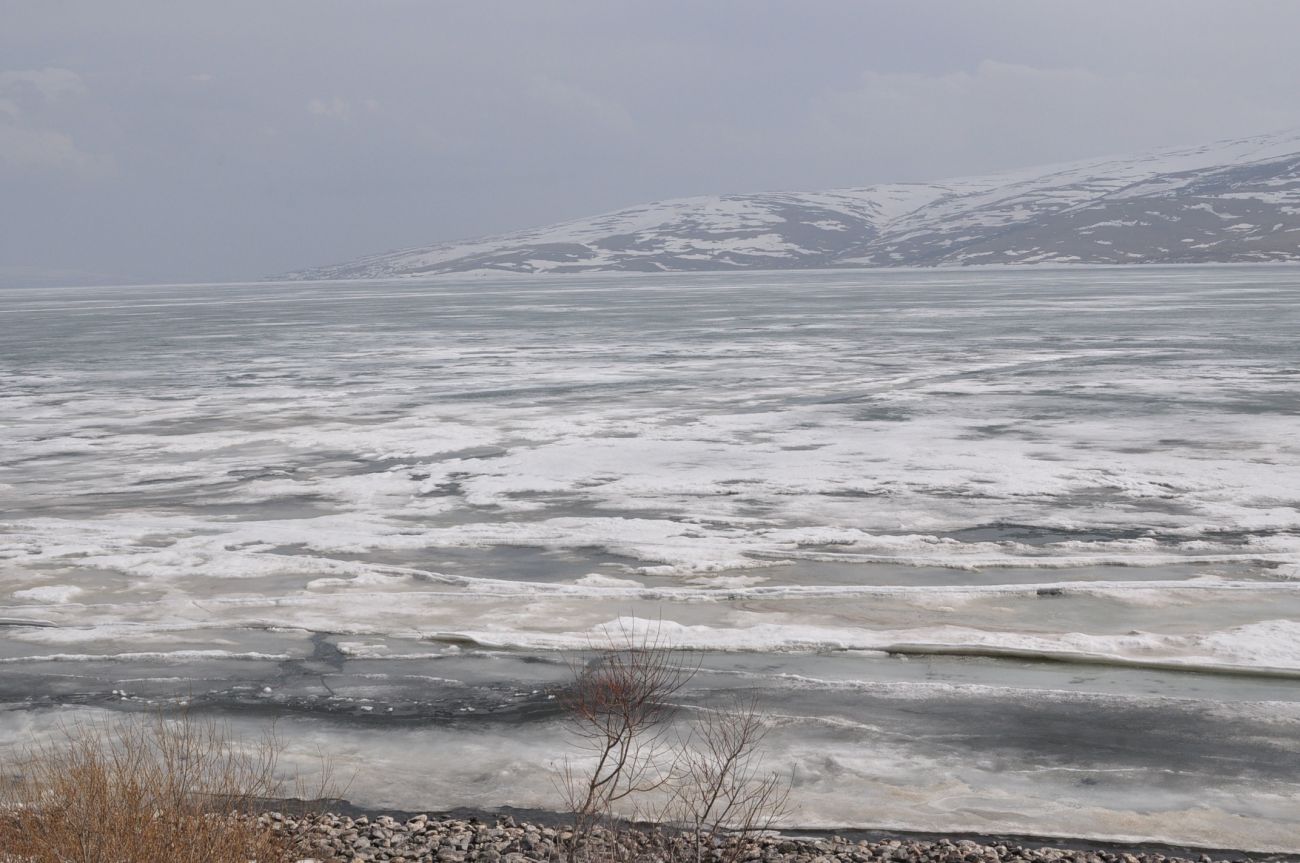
{"x": 1002, "y": 550}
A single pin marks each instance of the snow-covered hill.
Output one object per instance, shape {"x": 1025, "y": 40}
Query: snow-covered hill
{"x": 1232, "y": 201}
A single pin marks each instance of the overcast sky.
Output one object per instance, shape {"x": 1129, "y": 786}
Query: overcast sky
{"x": 224, "y": 140}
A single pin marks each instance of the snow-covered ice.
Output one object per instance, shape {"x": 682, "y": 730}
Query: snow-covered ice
{"x": 994, "y": 489}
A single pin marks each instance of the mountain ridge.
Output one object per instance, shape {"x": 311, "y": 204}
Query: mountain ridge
{"x": 1230, "y": 201}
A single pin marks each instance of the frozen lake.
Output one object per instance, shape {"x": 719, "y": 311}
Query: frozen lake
{"x": 999, "y": 550}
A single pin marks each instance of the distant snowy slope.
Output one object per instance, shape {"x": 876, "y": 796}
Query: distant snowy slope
{"x": 1229, "y": 201}
{"x": 703, "y": 233}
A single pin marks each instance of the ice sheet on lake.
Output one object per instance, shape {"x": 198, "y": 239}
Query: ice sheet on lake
{"x": 1084, "y": 466}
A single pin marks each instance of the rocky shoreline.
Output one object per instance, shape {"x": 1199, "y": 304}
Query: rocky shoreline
{"x": 323, "y": 838}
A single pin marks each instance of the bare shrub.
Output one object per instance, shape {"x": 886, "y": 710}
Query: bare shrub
{"x": 620, "y": 710}
{"x": 703, "y": 790}
{"x": 145, "y": 790}
{"x": 721, "y": 793}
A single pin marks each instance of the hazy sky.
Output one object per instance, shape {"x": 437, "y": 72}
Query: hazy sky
{"x": 194, "y": 140}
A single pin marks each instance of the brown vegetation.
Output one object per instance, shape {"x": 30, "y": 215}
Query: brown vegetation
{"x": 143, "y": 790}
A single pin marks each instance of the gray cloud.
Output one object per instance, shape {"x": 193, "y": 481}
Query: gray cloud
{"x": 48, "y": 84}
{"x": 27, "y": 144}
{"x": 157, "y": 140}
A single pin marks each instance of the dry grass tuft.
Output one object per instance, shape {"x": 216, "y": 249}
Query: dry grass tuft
{"x": 146, "y": 790}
